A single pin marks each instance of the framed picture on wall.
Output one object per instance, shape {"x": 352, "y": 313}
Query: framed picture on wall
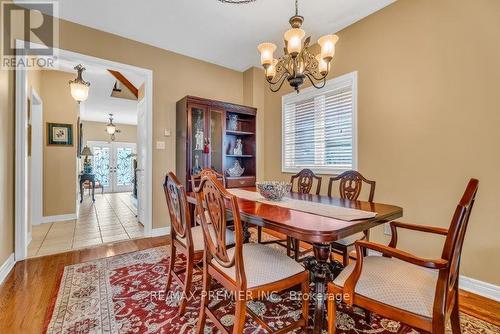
{"x": 59, "y": 134}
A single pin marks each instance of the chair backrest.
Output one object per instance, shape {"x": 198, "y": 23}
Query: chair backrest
{"x": 350, "y": 185}
{"x": 180, "y": 218}
{"x": 213, "y": 203}
{"x": 195, "y": 179}
{"x": 452, "y": 249}
{"x": 305, "y": 179}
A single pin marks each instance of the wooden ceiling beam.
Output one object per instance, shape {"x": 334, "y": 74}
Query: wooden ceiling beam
{"x": 120, "y": 77}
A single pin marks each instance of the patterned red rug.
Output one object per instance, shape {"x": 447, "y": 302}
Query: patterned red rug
{"x": 125, "y": 294}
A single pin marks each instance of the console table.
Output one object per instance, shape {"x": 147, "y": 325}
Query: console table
{"x": 87, "y": 177}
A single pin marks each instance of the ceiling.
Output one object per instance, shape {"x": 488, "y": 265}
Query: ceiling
{"x": 100, "y": 104}
{"x": 219, "y": 33}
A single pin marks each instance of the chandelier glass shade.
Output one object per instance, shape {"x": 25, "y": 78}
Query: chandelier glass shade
{"x": 110, "y": 127}
{"x": 79, "y": 87}
{"x": 297, "y": 63}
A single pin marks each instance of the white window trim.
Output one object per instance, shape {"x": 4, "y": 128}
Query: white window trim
{"x": 311, "y": 92}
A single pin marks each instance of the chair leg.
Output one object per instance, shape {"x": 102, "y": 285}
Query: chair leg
{"x": 288, "y": 246}
{"x": 170, "y": 268}
{"x": 332, "y": 315}
{"x": 187, "y": 285}
{"x": 200, "y": 328}
{"x": 240, "y": 315}
{"x": 306, "y": 289}
{"x": 259, "y": 234}
{"x": 345, "y": 257}
{"x": 296, "y": 249}
{"x": 455, "y": 315}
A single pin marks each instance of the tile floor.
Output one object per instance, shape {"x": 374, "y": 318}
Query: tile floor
{"x": 110, "y": 218}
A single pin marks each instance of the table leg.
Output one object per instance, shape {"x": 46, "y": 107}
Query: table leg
{"x": 93, "y": 191}
{"x": 322, "y": 272}
{"x": 81, "y": 191}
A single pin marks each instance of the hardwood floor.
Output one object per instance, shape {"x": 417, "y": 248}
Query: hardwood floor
{"x": 26, "y": 293}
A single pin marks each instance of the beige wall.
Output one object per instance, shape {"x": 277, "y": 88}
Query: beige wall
{"x": 97, "y": 131}
{"x": 428, "y": 107}
{"x": 59, "y": 162}
{"x": 428, "y": 113}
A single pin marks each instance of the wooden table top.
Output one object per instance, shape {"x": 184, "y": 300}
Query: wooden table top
{"x": 308, "y": 226}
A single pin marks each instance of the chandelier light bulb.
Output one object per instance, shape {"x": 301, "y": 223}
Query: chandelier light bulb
{"x": 271, "y": 70}
{"x": 327, "y": 44}
{"x": 266, "y": 53}
{"x": 110, "y": 128}
{"x": 323, "y": 65}
{"x": 294, "y": 37}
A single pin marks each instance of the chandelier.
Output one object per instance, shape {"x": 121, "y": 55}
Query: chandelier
{"x": 111, "y": 128}
{"x": 79, "y": 87}
{"x": 297, "y": 63}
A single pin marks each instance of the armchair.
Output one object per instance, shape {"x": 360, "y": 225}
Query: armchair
{"x": 401, "y": 286}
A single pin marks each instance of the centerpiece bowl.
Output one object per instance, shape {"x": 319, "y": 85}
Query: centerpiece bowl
{"x": 274, "y": 190}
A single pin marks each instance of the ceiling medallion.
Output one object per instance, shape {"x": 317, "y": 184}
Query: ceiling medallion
{"x": 297, "y": 63}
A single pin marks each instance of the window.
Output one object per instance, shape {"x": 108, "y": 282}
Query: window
{"x": 319, "y": 127}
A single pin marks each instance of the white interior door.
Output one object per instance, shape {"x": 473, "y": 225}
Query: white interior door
{"x": 142, "y": 139}
{"x": 113, "y": 165}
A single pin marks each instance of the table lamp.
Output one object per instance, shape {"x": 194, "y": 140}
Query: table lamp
{"x": 87, "y": 166}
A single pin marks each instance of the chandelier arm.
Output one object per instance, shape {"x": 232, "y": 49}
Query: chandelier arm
{"x": 279, "y": 87}
{"x": 316, "y": 78}
{"x": 312, "y": 81}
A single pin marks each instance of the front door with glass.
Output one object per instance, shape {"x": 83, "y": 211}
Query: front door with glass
{"x": 113, "y": 165}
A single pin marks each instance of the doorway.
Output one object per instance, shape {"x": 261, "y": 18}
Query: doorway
{"x": 25, "y": 206}
{"x": 113, "y": 165}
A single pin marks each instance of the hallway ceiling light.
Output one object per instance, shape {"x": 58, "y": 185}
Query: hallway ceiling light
{"x": 79, "y": 87}
{"x": 111, "y": 128}
{"x": 297, "y": 63}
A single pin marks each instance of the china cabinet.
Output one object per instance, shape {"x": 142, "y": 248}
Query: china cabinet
{"x": 217, "y": 135}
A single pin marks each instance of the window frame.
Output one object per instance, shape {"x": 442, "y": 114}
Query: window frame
{"x": 311, "y": 92}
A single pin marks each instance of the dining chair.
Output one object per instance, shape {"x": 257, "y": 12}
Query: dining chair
{"x": 302, "y": 183}
{"x": 350, "y": 186}
{"x": 184, "y": 238}
{"x": 248, "y": 271}
{"x": 404, "y": 287}
{"x": 195, "y": 179}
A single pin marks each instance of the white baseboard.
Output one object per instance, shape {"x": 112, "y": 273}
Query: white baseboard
{"x": 60, "y": 218}
{"x": 488, "y": 290}
{"x": 158, "y": 232}
{"x": 6, "y": 267}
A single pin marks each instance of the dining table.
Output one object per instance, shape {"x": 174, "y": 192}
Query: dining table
{"x": 316, "y": 229}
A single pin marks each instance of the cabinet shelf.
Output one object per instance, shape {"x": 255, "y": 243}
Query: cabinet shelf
{"x": 239, "y": 133}
{"x": 239, "y": 156}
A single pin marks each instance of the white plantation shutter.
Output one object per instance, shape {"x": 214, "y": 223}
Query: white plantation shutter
{"x": 319, "y": 127}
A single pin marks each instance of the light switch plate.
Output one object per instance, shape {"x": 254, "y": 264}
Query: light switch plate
{"x": 160, "y": 145}
{"x": 167, "y": 133}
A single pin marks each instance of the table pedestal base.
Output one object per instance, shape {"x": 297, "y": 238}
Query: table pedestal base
{"x": 322, "y": 271}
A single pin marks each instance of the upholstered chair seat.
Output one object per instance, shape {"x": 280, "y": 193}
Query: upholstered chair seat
{"x": 263, "y": 265}
{"x": 395, "y": 283}
{"x": 199, "y": 243}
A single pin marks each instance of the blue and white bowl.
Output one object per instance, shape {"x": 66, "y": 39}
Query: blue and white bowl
{"x": 274, "y": 190}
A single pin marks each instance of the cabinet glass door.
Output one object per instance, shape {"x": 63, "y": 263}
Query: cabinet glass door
{"x": 198, "y": 139}
{"x": 216, "y": 139}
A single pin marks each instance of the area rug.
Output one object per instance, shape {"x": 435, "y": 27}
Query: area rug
{"x": 125, "y": 294}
